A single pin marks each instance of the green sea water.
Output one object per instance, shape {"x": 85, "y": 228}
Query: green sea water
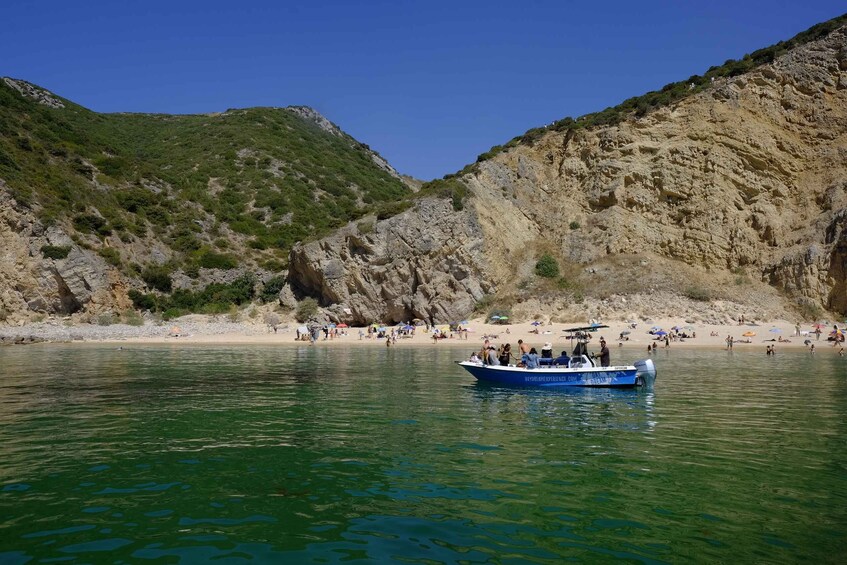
{"x": 342, "y": 454}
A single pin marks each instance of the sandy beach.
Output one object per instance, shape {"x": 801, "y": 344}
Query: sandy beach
{"x": 621, "y": 335}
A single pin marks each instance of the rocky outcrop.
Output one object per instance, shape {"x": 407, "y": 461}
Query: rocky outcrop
{"x": 746, "y": 176}
{"x": 425, "y": 263}
{"x": 32, "y": 283}
{"x": 38, "y": 94}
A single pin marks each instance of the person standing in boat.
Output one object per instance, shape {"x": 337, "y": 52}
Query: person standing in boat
{"x": 491, "y": 358}
{"x": 506, "y": 354}
{"x": 531, "y": 359}
{"x": 604, "y": 353}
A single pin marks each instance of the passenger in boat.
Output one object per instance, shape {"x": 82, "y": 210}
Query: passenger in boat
{"x": 474, "y": 358}
{"x": 492, "y": 356}
{"x": 505, "y": 354}
{"x": 522, "y": 347}
{"x": 547, "y": 351}
{"x": 531, "y": 359}
{"x": 604, "y": 353}
{"x": 562, "y": 360}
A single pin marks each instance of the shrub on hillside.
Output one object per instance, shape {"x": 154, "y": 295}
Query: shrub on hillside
{"x": 92, "y": 224}
{"x": 307, "y": 308}
{"x": 211, "y": 260}
{"x": 158, "y": 277}
{"x": 270, "y": 292}
{"x": 55, "y": 251}
{"x": 141, "y": 301}
{"x": 547, "y": 267}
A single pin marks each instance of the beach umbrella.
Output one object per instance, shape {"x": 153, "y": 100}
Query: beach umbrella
{"x": 676, "y": 328}
{"x": 495, "y": 317}
{"x": 655, "y": 329}
{"x": 625, "y": 332}
{"x": 536, "y": 323}
{"x": 408, "y": 328}
{"x": 661, "y": 332}
{"x": 775, "y": 331}
{"x": 342, "y": 325}
{"x": 464, "y": 322}
{"x": 748, "y": 334}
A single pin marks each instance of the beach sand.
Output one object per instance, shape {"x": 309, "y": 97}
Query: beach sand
{"x": 638, "y": 338}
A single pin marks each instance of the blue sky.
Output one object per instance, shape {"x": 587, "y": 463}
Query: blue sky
{"x": 430, "y": 85}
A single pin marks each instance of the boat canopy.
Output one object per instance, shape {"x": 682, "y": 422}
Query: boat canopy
{"x": 591, "y": 328}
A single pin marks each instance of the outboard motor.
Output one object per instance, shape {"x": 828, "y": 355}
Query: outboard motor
{"x": 645, "y": 372}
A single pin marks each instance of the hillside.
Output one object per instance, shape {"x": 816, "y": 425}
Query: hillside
{"x": 159, "y": 202}
{"x": 723, "y": 198}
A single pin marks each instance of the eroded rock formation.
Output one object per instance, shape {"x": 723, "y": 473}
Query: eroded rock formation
{"x": 750, "y": 174}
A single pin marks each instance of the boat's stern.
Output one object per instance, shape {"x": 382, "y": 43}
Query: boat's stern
{"x": 645, "y": 372}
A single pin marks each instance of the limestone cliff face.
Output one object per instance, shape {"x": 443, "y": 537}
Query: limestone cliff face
{"x": 750, "y": 174}
{"x": 426, "y": 263}
{"x": 31, "y": 283}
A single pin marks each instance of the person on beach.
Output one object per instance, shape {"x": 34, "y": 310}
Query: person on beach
{"x": 729, "y": 341}
{"x": 812, "y": 349}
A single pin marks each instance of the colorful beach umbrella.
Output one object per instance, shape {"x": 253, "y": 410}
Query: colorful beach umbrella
{"x": 748, "y": 334}
{"x": 661, "y": 332}
{"x": 342, "y": 325}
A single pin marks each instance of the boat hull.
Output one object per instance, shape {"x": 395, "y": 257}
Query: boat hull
{"x": 606, "y": 377}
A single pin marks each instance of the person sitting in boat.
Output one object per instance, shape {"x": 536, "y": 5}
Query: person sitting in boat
{"x": 491, "y": 358}
{"x": 547, "y": 351}
{"x": 475, "y": 358}
{"x": 562, "y": 360}
{"x": 531, "y": 359}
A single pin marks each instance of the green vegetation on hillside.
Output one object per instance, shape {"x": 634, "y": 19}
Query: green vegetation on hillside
{"x": 670, "y": 93}
{"x": 222, "y": 191}
{"x": 266, "y": 173}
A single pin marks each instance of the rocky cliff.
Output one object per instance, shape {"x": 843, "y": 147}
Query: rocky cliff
{"x": 744, "y": 181}
{"x": 31, "y": 282}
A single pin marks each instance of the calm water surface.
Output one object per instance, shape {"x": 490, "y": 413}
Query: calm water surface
{"x": 272, "y": 454}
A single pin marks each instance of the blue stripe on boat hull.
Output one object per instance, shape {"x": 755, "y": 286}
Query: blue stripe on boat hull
{"x": 613, "y": 378}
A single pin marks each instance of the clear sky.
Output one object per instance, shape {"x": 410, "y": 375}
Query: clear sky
{"x": 428, "y": 84}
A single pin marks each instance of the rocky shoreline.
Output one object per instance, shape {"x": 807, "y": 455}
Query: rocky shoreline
{"x": 59, "y": 333}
